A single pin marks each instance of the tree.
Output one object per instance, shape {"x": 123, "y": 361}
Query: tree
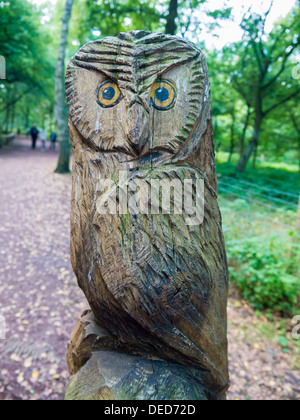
{"x": 100, "y": 18}
{"x": 109, "y": 17}
{"x": 263, "y": 74}
{"x": 294, "y": 114}
{"x": 60, "y": 109}
{"x": 24, "y": 44}
{"x": 189, "y": 21}
{"x": 231, "y": 115}
{"x": 171, "y": 25}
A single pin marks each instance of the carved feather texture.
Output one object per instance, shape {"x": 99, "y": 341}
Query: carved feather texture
{"x": 158, "y": 285}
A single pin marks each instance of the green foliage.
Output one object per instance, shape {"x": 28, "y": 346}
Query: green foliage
{"x": 20, "y": 24}
{"x": 260, "y": 70}
{"x": 262, "y": 244}
{"x": 283, "y": 341}
{"x": 24, "y": 43}
{"x": 109, "y": 17}
{"x": 265, "y": 271}
{"x": 272, "y": 176}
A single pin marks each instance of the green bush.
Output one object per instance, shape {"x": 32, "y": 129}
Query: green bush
{"x": 267, "y": 272}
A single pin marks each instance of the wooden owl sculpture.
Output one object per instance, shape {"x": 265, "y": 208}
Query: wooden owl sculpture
{"x": 140, "y": 104}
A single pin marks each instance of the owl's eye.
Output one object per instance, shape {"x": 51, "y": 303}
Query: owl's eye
{"x": 109, "y": 94}
{"x": 163, "y": 95}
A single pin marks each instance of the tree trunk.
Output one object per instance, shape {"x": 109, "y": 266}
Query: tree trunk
{"x": 243, "y": 137}
{"x": 51, "y": 119}
{"x": 60, "y": 108}
{"x": 255, "y": 157}
{"x": 13, "y": 117}
{"x": 232, "y": 139}
{"x": 244, "y": 159}
{"x": 7, "y": 113}
{"x": 7, "y": 120}
{"x": 241, "y": 166}
{"x": 27, "y": 112}
{"x": 171, "y": 25}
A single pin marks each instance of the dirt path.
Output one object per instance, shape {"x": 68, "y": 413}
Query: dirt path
{"x": 38, "y": 293}
{"x": 41, "y": 302}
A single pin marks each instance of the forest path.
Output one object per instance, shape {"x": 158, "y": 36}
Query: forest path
{"x": 39, "y": 296}
{"x": 41, "y": 301}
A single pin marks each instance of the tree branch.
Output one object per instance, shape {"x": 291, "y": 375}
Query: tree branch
{"x": 15, "y": 100}
{"x": 287, "y": 55}
{"x": 283, "y": 101}
{"x": 254, "y": 46}
{"x": 294, "y": 121}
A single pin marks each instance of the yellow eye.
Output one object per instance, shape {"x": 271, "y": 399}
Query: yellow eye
{"x": 163, "y": 95}
{"x": 109, "y": 94}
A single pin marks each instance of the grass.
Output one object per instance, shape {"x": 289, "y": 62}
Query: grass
{"x": 259, "y": 211}
{"x": 262, "y": 244}
{"x": 274, "y": 175}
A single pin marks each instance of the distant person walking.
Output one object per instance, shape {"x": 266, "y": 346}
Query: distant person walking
{"x": 53, "y": 139}
{"x": 43, "y": 137}
{"x": 34, "y": 132}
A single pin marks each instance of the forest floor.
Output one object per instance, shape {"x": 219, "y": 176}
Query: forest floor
{"x": 41, "y": 301}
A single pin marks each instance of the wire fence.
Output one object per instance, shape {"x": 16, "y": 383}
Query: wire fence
{"x": 295, "y": 195}
{"x": 262, "y": 196}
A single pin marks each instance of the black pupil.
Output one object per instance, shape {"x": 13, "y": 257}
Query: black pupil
{"x": 108, "y": 93}
{"x": 162, "y": 94}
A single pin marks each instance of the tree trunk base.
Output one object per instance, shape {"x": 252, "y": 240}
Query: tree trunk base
{"x": 63, "y": 166}
{"x": 62, "y": 169}
{"x": 101, "y": 369}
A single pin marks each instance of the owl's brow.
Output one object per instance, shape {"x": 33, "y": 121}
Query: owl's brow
{"x": 134, "y": 63}
{"x": 160, "y": 74}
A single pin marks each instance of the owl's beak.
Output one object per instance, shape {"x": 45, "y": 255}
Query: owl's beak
{"x": 138, "y": 127}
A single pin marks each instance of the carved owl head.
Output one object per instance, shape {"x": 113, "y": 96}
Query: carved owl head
{"x": 138, "y": 94}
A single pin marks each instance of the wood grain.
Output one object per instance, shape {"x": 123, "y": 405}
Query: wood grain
{"x": 157, "y": 285}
